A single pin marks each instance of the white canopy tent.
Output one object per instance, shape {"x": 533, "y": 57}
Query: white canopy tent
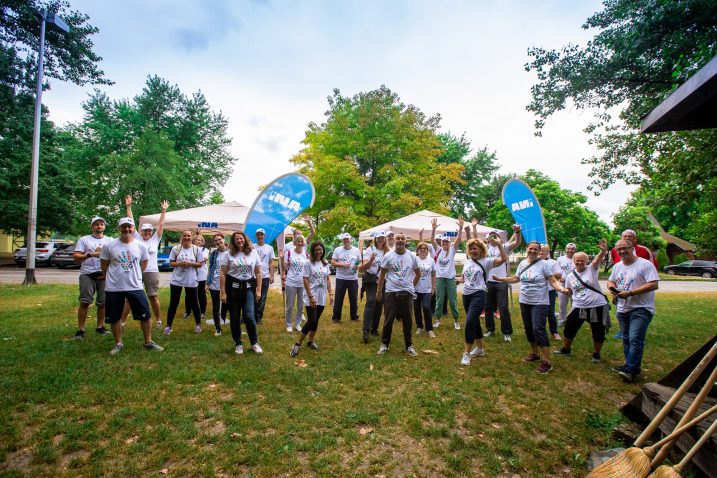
{"x": 411, "y": 226}
{"x": 225, "y": 218}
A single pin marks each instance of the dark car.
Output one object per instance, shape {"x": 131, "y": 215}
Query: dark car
{"x": 62, "y": 257}
{"x": 163, "y": 258}
{"x": 706, "y": 269}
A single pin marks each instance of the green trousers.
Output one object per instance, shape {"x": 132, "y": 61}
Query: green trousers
{"x": 446, "y": 289}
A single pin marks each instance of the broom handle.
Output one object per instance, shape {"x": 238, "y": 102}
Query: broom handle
{"x": 691, "y": 378}
{"x": 683, "y": 428}
{"x": 693, "y": 451}
{"x": 691, "y": 411}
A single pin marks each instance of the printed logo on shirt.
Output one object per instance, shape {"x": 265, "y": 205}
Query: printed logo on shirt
{"x": 243, "y": 267}
{"x": 126, "y": 261}
{"x": 622, "y": 282}
{"x": 400, "y": 269}
{"x": 528, "y": 277}
{"x": 425, "y": 270}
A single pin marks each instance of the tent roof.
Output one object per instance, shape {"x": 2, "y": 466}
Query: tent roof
{"x": 412, "y": 224}
{"x": 225, "y": 218}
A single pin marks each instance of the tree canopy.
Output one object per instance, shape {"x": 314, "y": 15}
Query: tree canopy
{"x": 374, "y": 159}
{"x": 643, "y": 51}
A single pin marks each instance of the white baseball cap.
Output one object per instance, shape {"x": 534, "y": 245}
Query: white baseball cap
{"x": 97, "y": 218}
{"x": 344, "y": 235}
{"x": 262, "y": 231}
{"x": 146, "y": 226}
{"x": 126, "y": 220}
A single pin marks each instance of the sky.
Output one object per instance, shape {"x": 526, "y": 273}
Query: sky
{"x": 270, "y": 65}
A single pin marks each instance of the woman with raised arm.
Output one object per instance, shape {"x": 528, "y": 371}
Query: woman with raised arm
{"x": 446, "y": 276}
{"x": 424, "y": 290}
{"x": 534, "y": 275}
{"x": 588, "y": 302}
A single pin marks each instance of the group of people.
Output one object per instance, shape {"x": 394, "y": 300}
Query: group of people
{"x": 121, "y": 275}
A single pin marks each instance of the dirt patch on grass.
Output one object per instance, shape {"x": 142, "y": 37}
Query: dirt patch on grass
{"x": 75, "y": 456}
{"x": 211, "y": 427}
{"x": 18, "y": 460}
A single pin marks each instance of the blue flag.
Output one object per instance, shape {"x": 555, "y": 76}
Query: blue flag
{"x": 278, "y": 204}
{"x": 525, "y": 208}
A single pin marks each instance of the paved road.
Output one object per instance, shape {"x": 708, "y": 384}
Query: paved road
{"x": 51, "y": 275}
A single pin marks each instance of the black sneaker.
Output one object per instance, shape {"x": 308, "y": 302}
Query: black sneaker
{"x": 79, "y": 335}
{"x": 619, "y": 369}
{"x": 374, "y": 333}
{"x": 562, "y": 351}
{"x": 596, "y": 357}
{"x": 312, "y": 345}
{"x": 295, "y": 350}
{"x": 365, "y": 336}
{"x": 627, "y": 376}
{"x": 335, "y": 321}
{"x": 102, "y": 331}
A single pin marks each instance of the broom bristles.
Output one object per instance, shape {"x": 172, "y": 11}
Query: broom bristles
{"x": 630, "y": 463}
{"x": 664, "y": 471}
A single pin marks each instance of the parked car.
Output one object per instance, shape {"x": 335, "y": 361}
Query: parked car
{"x": 706, "y": 269}
{"x": 43, "y": 252}
{"x": 62, "y": 257}
{"x": 163, "y": 258}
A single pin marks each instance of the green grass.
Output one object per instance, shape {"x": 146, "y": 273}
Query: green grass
{"x": 70, "y": 409}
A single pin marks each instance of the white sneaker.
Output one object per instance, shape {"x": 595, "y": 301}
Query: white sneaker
{"x": 488, "y": 333}
{"x": 411, "y": 351}
{"x": 116, "y": 349}
{"x": 218, "y": 333}
{"x": 466, "y": 360}
{"x": 507, "y": 338}
{"x": 289, "y": 329}
{"x": 158, "y": 324}
{"x": 556, "y": 336}
{"x": 167, "y": 330}
{"x": 431, "y": 334}
{"x": 382, "y": 349}
{"x": 297, "y": 328}
{"x": 456, "y": 325}
{"x": 477, "y": 352}
{"x": 436, "y": 324}
{"x": 239, "y": 349}
{"x": 257, "y": 349}
{"x": 419, "y": 331}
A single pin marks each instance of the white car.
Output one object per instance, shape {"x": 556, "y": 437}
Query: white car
{"x": 43, "y": 252}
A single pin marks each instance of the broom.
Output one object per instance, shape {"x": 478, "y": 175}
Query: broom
{"x": 635, "y": 462}
{"x": 620, "y": 459}
{"x": 665, "y": 471}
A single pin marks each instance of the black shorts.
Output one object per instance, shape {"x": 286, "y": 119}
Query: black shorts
{"x": 114, "y": 304}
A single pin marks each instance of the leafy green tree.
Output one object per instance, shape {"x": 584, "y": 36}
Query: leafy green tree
{"x": 374, "y": 159}
{"x": 643, "y": 51}
{"x": 567, "y": 219}
{"x": 480, "y": 188}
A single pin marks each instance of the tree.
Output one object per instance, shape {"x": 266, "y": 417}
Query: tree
{"x": 479, "y": 189}
{"x": 567, "y": 219}
{"x": 643, "y": 51}
{"x": 160, "y": 145}
{"x": 374, "y": 159}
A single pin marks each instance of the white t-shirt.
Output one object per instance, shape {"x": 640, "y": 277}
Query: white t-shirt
{"x": 124, "y": 272}
{"x": 266, "y": 254}
{"x": 185, "y": 276}
{"x": 215, "y": 272}
{"x": 317, "y": 273}
{"x": 241, "y": 266}
{"x": 567, "y": 266}
{"x": 584, "y": 298}
{"x": 352, "y": 256}
{"x": 152, "y": 247}
{"x": 399, "y": 271}
{"x": 294, "y": 266}
{"x": 88, "y": 244}
{"x": 494, "y": 253}
{"x": 553, "y": 267}
{"x": 445, "y": 264}
{"x": 631, "y": 277}
{"x": 203, "y": 271}
{"x": 534, "y": 282}
{"x": 426, "y": 266}
{"x": 473, "y": 280}
{"x": 376, "y": 261}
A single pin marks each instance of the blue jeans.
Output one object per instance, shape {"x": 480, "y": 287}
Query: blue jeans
{"x": 241, "y": 305}
{"x": 634, "y": 325}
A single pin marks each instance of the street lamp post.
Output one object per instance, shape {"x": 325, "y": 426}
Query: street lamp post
{"x": 54, "y": 20}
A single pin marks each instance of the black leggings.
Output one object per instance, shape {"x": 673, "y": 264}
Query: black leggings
{"x": 574, "y": 322}
{"x": 218, "y": 309}
{"x": 312, "y": 319}
{"x": 201, "y": 295}
{"x": 423, "y": 311}
{"x": 474, "y": 304}
{"x": 190, "y": 294}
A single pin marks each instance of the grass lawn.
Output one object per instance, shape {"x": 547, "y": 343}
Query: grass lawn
{"x": 70, "y": 409}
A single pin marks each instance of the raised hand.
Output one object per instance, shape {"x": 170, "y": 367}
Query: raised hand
{"x": 434, "y": 223}
{"x": 474, "y": 221}
{"x": 602, "y": 244}
{"x": 128, "y": 200}
{"x": 517, "y": 228}
{"x": 164, "y": 205}
{"x": 460, "y": 223}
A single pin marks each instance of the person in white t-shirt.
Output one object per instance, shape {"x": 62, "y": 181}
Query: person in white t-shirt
{"x": 446, "y": 277}
{"x": 219, "y": 309}
{"x": 566, "y": 264}
{"x": 589, "y": 302}
{"x": 400, "y": 274}
{"x": 372, "y": 257}
{"x": 425, "y": 288}
{"x": 534, "y": 276}
{"x": 552, "y": 293}
{"x": 186, "y": 259}
{"x": 497, "y": 293}
{"x": 346, "y": 259}
{"x": 150, "y": 276}
{"x": 633, "y": 283}
{"x": 293, "y": 280}
{"x": 122, "y": 261}
{"x": 266, "y": 254}
{"x": 238, "y": 286}
{"x": 202, "y": 272}
{"x": 317, "y": 290}
{"x": 296, "y": 231}
{"x": 474, "y": 279}
{"x": 92, "y": 281}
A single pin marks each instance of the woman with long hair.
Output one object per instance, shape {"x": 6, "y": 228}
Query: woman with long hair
{"x": 292, "y": 277}
{"x": 534, "y": 275}
{"x": 240, "y": 274}
{"x": 186, "y": 259}
{"x": 317, "y": 288}
{"x": 202, "y": 272}
{"x": 372, "y": 257}
{"x": 424, "y": 290}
